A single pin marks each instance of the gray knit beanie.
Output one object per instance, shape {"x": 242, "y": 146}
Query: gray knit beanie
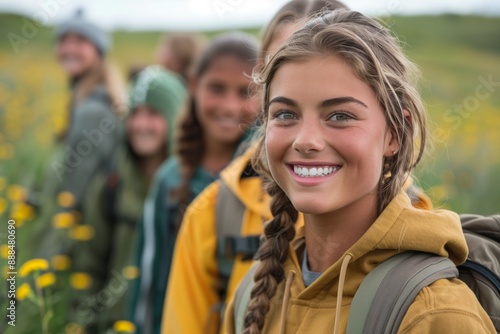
{"x": 79, "y": 25}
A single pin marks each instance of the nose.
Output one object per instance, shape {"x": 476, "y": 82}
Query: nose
{"x": 309, "y": 137}
{"x": 233, "y": 103}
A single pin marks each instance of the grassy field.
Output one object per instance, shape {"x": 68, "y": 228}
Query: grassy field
{"x": 460, "y": 61}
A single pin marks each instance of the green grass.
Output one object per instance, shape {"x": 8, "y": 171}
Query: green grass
{"x": 462, "y": 173}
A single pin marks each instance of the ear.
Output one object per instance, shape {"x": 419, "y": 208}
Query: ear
{"x": 392, "y": 146}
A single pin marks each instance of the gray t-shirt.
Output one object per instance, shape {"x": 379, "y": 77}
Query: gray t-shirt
{"x": 307, "y": 275}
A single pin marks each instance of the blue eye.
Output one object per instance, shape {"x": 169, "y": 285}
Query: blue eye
{"x": 284, "y": 115}
{"x": 340, "y": 117}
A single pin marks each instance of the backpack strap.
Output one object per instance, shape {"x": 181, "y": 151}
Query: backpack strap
{"x": 387, "y": 292}
{"x": 242, "y": 298}
{"x": 229, "y": 217}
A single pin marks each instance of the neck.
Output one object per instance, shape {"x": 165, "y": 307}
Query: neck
{"x": 149, "y": 165}
{"x": 328, "y": 236}
{"x": 217, "y": 155}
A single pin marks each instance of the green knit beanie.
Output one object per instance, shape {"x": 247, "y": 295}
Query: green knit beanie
{"x": 162, "y": 90}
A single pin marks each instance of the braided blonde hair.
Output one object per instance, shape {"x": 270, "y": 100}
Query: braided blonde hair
{"x": 377, "y": 59}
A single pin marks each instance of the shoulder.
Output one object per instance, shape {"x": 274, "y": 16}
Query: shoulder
{"x": 446, "y": 306}
{"x": 169, "y": 170}
{"x": 205, "y": 202}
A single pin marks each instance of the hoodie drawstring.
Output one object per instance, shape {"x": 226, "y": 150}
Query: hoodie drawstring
{"x": 286, "y": 300}
{"x": 343, "y": 271}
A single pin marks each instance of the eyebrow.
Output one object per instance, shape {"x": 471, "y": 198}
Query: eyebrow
{"x": 322, "y": 104}
{"x": 340, "y": 100}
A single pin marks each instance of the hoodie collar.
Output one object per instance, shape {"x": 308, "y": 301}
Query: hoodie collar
{"x": 399, "y": 228}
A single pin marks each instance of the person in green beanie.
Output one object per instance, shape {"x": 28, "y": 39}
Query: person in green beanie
{"x": 113, "y": 204}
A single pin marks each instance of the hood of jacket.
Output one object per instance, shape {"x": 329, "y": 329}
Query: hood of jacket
{"x": 245, "y": 187}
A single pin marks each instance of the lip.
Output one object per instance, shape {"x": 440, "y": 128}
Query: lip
{"x": 311, "y": 181}
{"x": 226, "y": 122}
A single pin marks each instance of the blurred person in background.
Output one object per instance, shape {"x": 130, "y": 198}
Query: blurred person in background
{"x": 217, "y": 120}
{"x": 113, "y": 204}
{"x": 177, "y": 52}
{"x": 92, "y": 133}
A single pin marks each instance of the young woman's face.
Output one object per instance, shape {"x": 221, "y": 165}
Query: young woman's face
{"x": 76, "y": 54}
{"x": 225, "y": 105}
{"x": 147, "y": 132}
{"x": 326, "y": 136}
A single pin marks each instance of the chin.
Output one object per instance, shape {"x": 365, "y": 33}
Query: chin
{"x": 311, "y": 207}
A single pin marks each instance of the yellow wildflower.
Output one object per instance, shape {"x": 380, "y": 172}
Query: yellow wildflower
{"x": 80, "y": 281}
{"x": 123, "y": 326}
{"x": 74, "y": 328}
{"x": 23, "y": 291}
{"x": 63, "y": 220}
{"x": 33, "y": 265}
{"x": 45, "y": 280}
{"x": 65, "y": 199}
{"x": 16, "y": 193}
{"x": 131, "y": 272}
{"x": 22, "y": 211}
{"x": 4, "y": 251}
{"x": 82, "y": 232}
{"x": 3, "y": 205}
{"x": 60, "y": 262}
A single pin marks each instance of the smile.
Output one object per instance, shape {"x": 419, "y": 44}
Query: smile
{"x": 314, "y": 171}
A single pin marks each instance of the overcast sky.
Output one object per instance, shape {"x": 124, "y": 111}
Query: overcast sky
{"x": 217, "y": 14}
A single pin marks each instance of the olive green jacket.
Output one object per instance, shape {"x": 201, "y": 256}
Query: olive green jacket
{"x": 111, "y": 208}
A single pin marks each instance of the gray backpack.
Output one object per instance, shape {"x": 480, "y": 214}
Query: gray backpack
{"x": 384, "y": 296}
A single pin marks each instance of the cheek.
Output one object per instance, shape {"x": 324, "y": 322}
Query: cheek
{"x": 205, "y": 102}
{"x": 276, "y": 143}
{"x": 160, "y": 128}
{"x": 89, "y": 54}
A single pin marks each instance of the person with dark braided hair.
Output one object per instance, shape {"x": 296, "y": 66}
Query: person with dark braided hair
{"x": 217, "y": 119}
{"x": 338, "y": 145}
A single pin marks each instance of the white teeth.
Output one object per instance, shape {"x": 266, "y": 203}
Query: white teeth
{"x": 314, "y": 171}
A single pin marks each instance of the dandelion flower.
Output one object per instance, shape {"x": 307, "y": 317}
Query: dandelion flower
{"x": 123, "y": 326}
{"x": 16, "y": 193}
{"x": 4, "y": 251}
{"x": 131, "y": 272}
{"x": 82, "y": 232}
{"x": 23, "y": 291}
{"x": 22, "y": 211}
{"x": 80, "y": 281}
{"x": 74, "y": 328}
{"x": 3, "y": 205}
{"x": 63, "y": 220}
{"x": 33, "y": 265}
{"x": 65, "y": 199}
{"x": 45, "y": 280}
{"x": 60, "y": 262}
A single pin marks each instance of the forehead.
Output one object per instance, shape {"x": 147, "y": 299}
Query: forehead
{"x": 230, "y": 68}
{"x": 320, "y": 77}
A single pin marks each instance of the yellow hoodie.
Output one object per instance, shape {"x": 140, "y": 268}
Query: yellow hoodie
{"x": 446, "y": 306}
{"x": 192, "y": 291}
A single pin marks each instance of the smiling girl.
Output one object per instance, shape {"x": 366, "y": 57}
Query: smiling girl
{"x": 216, "y": 122}
{"x": 343, "y": 126}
